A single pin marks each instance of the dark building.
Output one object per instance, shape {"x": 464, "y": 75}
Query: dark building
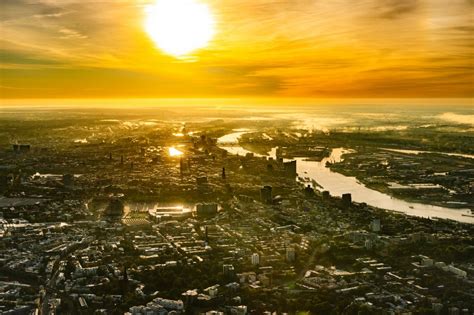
{"x": 346, "y": 200}
{"x": 228, "y": 270}
{"x": 269, "y": 167}
{"x": 3, "y": 182}
{"x": 21, "y": 148}
{"x": 115, "y": 209}
{"x": 290, "y": 168}
{"x": 309, "y": 191}
{"x": 266, "y": 195}
{"x": 279, "y": 153}
{"x": 326, "y": 195}
{"x": 206, "y": 209}
{"x": 68, "y": 180}
{"x": 124, "y": 283}
{"x": 25, "y": 148}
{"x": 181, "y": 166}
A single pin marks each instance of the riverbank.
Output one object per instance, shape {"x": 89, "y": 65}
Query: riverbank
{"x": 437, "y": 179}
{"x": 337, "y": 184}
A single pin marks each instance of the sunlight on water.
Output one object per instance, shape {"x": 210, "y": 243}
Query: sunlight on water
{"x": 172, "y": 151}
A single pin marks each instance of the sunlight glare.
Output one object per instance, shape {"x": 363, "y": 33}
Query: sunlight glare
{"x": 179, "y": 27}
{"x": 172, "y": 151}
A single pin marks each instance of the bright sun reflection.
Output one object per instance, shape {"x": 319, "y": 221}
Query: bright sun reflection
{"x": 179, "y": 27}
{"x": 172, "y": 151}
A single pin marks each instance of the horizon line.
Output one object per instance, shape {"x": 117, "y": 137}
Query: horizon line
{"x": 223, "y": 103}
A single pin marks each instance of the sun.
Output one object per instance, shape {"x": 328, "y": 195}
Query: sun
{"x": 179, "y": 27}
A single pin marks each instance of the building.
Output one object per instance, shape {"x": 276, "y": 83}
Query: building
{"x": 3, "y": 182}
{"x": 290, "y": 168}
{"x": 176, "y": 305}
{"x": 346, "y": 200}
{"x": 290, "y": 254}
{"x": 115, "y": 209}
{"x": 201, "y": 180}
{"x": 21, "y": 148}
{"x": 255, "y": 259}
{"x": 266, "y": 195}
{"x": 213, "y": 291}
{"x": 190, "y": 297}
{"x": 375, "y": 225}
{"x": 228, "y": 270}
{"x": 206, "y": 209}
{"x": 326, "y": 195}
{"x": 68, "y": 180}
{"x": 368, "y": 244}
{"x": 427, "y": 262}
{"x": 308, "y": 191}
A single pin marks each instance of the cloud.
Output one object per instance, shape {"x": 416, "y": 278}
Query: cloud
{"x": 71, "y": 34}
{"x": 369, "y": 48}
{"x": 392, "y": 9}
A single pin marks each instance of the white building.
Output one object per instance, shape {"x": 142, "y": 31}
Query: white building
{"x": 375, "y": 225}
{"x": 426, "y": 261}
{"x": 255, "y": 259}
{"x": 176, "y": 305}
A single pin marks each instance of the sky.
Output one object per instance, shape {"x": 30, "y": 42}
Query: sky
{"x": 261, "y": 48}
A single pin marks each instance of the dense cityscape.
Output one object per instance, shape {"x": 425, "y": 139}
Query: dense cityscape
{"x": 112, "y": 214}
{"x": 236, "y": 157}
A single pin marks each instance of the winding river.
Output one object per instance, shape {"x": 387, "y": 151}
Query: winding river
{"x": 337, "y": 184}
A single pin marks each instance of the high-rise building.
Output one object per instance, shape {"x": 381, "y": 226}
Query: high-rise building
{"x": 266, "y": 194}
{"x": 255, "y": 259}
{"x": 115, "y": 209}
{"x": 228, "y": 269}
{"x": 346, "y": 200}
{"x": 290, "y": 168}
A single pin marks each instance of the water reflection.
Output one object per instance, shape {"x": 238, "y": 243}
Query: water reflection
{"x": 172, "y": 151}
{"x": 469, "y": 156}
{"x": 338, "y": 184}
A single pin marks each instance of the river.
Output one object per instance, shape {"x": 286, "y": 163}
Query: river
{"x": 337, "y": 184}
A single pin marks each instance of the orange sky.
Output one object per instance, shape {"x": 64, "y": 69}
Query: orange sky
{"x": 262, "y": 48}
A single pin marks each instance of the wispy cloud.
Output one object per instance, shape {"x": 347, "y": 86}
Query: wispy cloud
{"x": 369, "y": 48}
{"x": 71, "y": 34}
